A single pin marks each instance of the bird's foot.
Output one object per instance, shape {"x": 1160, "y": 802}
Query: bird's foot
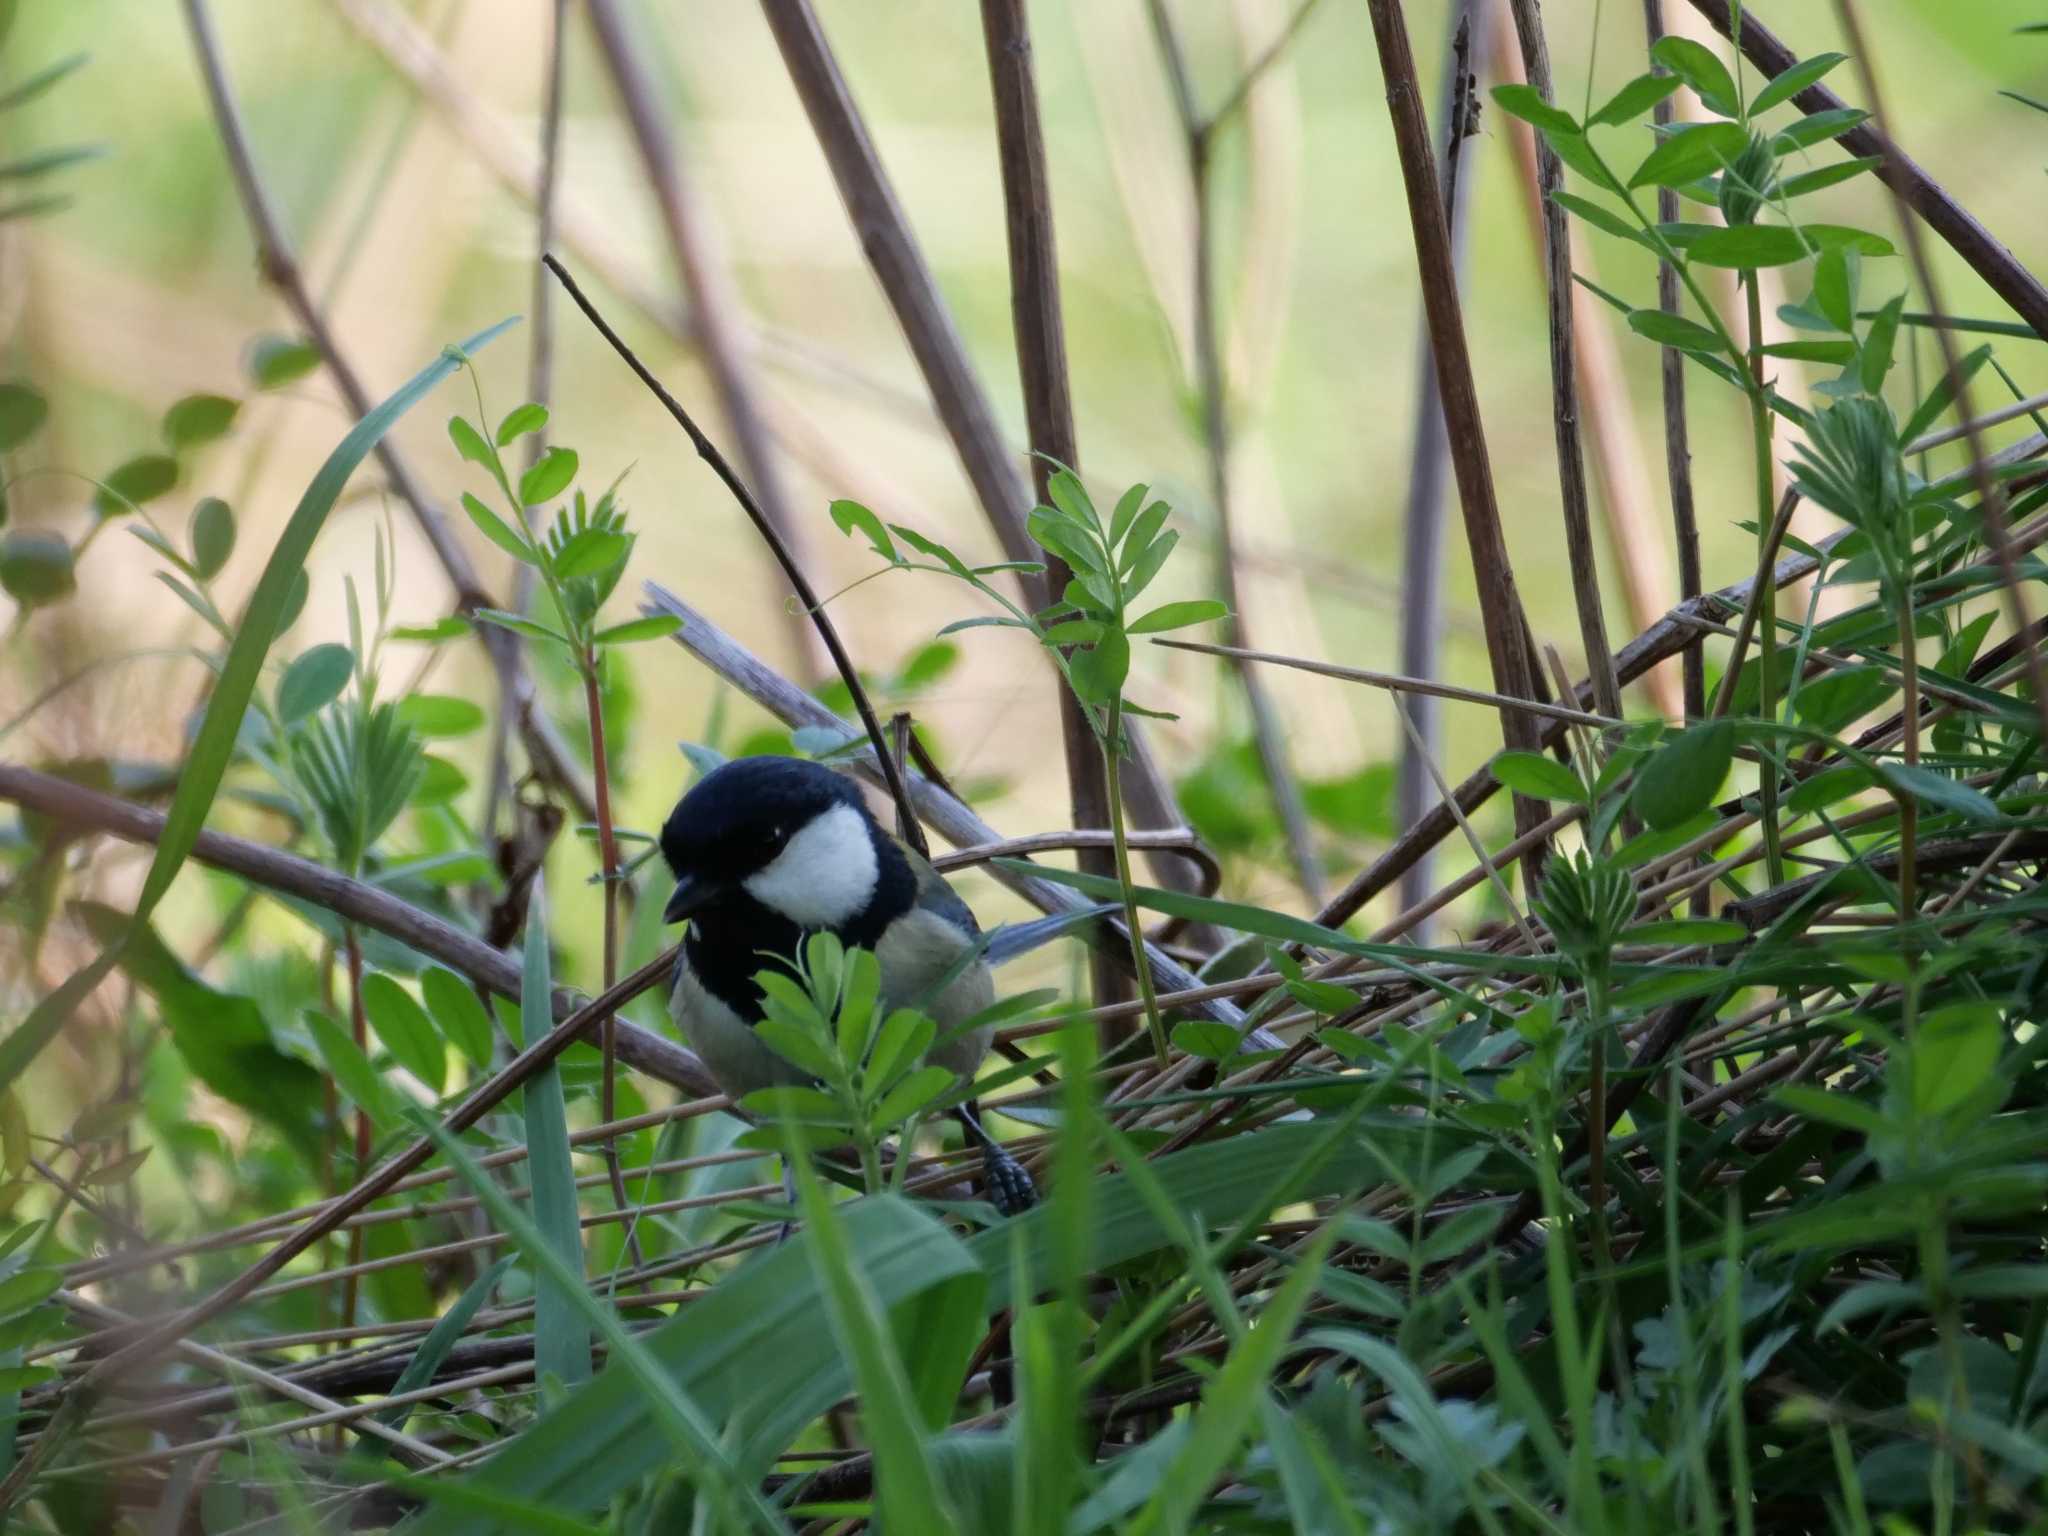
{"x": 1010, "y": 1189}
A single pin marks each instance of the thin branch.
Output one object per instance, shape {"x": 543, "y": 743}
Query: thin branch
{"x": 1267, "y": 735}
{"x": 708, "y": 452}
{"x": 1564, "y": 382}
{"x": 1685, "y": 526}
{"x": 280, "y": 270}
{"x": 1042, "y": 366}
{"x": 1499, "y": 603}
{"x": 1421, "y": 593}
{"x": 1398, "y": 684}
{"x": 1235, "y": 98}
{"x": 707, "y": 282}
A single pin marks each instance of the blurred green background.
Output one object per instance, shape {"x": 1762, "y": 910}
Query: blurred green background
{"x": 144, "y": 290}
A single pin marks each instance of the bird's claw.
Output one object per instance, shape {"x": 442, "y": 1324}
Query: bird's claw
{"x": 1010, "y": 1189}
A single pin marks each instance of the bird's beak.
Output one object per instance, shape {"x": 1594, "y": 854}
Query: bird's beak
{"x": 691, "y": 896}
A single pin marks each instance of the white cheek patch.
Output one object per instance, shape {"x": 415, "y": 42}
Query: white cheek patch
{"x": 825, "y": 874}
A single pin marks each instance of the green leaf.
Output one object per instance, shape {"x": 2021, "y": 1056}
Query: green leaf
{"x": 930, "y": 548}
{"x": 1938, "y": 790}
{"x": 19, "y": 1378}
{"x": 498, "y": 531}
{"x": 213, "y": 536}
{"x": 405, "y": 1030}
{"x": 1673, "y": 331}
{"x": 1838, "y": 353}
{"x": 1527, "y": 103}
{"x": 1126, "y": 513}
{"x": 1701, "y": 68}
{"x": 1071, "y": 497}
{"x": 1828, "y": 176}
{"x": 470, "y": 443}
{"x": 1600, "y": 218}
{"x": 28, "y": 1288}
{"x": 561, "y": 1335}
{"x": 460, "y": 1013}
{"x": 351, "y": 1070}
{"x": 313, "y": 681}
{"x": 1206, "y": 1038}
{"x": 434, "y": 1349}
{"x": 1954, "y": 1053}
{"x": 553, "y": 475}
{"x": 1686, "y": 930}
{"x": 1818, "y": 128}
{"x": 1794, "y": 79}
{"x": 40, "y": 82}
{"x": 1099, "y": 671}
{"x": 903, "y": 1039}
{"x": 1939, "y": 398}
{"x": 1149, "y": 564}
{"x": 1833, "y": 700}
{"x": 851, "y": 515}
{"x": 1178, "y": 616}
{"x": 1577, "y": 151}
{"x": 918, "y": 1090}
{"x": 436, "y": 715}
{"x": 23, "y": 410}
{"x": 530, "y": 628}
{"x": 1690, "y": 153}
{"x": 1836, "y": 279}
{"x": 1634, "y": 99}
{"x": 198, "y": 419}
{"x": 591, "y": 552}
{"x": 1534, "y": 774}
{"x": 521, "y": 420}
{"x": 36, "y": 568}
{"x": 1685, "y": 774}
{"x": 275, "y": 361}
{"x": 451, "y": 627}
{"x": 1877, "y": 345}
{"x": 141, "y": 479}
{"x": 1747, "y": 246}
{"x": 657, "y": 626}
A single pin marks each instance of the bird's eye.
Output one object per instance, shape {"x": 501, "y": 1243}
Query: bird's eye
{"x": 772, "y": 838}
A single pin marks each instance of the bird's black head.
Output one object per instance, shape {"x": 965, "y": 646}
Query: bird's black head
{"x": 778, "y": 837}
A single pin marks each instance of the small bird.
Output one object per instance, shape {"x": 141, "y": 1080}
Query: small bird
{"x": 768, "y": 850}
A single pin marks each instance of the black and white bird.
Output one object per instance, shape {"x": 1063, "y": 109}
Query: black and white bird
{"x": 768, "y": 850}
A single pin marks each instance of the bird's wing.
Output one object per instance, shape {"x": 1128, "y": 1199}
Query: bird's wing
{"x": 1009, "y": 940}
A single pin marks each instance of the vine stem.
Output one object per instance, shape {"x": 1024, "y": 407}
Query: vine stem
{"x": 1112, "y": 766}
{"x": 359, "y": 1027}
{"x": 608, "y": 853}
{"x": 1767, "y": 628}
{"x": 1909, "y": 717}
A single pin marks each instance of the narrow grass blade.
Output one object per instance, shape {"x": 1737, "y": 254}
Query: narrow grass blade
{"x": 561, "y": 1341}
{"x": 906, "y": 1483}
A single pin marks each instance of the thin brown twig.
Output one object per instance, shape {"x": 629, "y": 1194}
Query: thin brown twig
{"x": 1197, "y": 136}
{"x": 1564, "y": 383}
{"x": 708, "y": 452}
{"x": 1677, "y": 445}
{"x": 1421, "y": 593}
{"x": 1035, "y": 320}
{"x": 280, "y": 270}
{"x": 1500, "y": 605}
